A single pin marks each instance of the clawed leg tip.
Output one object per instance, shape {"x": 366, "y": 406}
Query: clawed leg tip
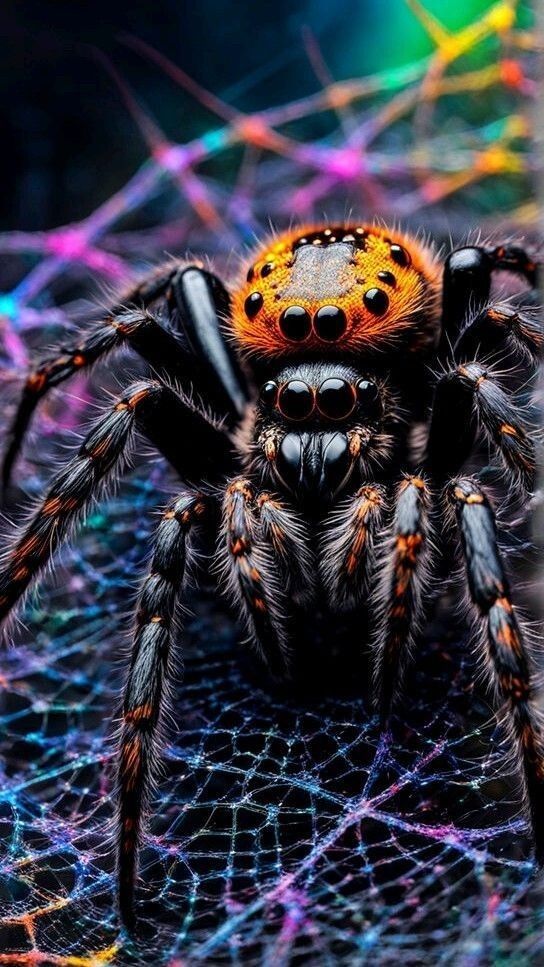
{"x": 128, "y": 923}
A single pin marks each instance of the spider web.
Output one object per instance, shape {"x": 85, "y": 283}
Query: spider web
{"x": 285, "y": 828}
{"x": 285, "y": 825}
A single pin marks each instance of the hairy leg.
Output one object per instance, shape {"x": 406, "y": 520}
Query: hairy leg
{"x": 259, "y": 535}
{"x": 193, "y": 444}
{"x": 347, "y": 545}
{"x": 497, "y": 327}
{"x": 191, "y": 351}
{"x": 399, "y": 604}
{"x": 466, "y": 397}
{"x": 148, "y": 681}
{"x": 468, "y": 274}
{"x": 506, "y": 654}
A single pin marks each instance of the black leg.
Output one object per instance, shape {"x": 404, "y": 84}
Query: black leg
{"x": 467, "y": 282}
{"x": 506, "y": 654}
{"x": 199, "y": 303}
{"x": 286, "y": 533}
{"x": 399, "y": 603}
{"x": 466, "y": 397}
{"x": 499, "y": 327}
{"x": 191, "y": 351}
{"x": 196, "y": 447}
{"x": 148, "y": 681}
{"x": 249, "y": 557}
{"x": 346, "y": 547}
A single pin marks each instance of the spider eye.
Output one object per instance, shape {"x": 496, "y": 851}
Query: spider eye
{"x": 367, "y": 394}
{"x": 335, "y": 398}
{"x": 295, "y": 324}
{"x": 387, "y": 277}
{"x": 400, "y": 255}
{"x": 296, "y": 400}
{"x": 269, "y": 393}
{"x": 376, "y": 301}
{"x": 330, "y": 323}
{"x": 253, "y": 303}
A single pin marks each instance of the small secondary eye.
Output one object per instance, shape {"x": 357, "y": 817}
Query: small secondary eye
{"x": 376, "y": 301}
{"x": 387, "y": 277}
{"x": 269, "y": 393}
{"x": 330, "y": 323}
{"x": 296, "y": 400}
{"x": 295, "y": 324}
{"x": 267, "y": 268}
{"x": 367, "y": 393}
{"x": 400, "y": 255}
{"x": 335, "y": 398}
{"x": 253, "y": 303}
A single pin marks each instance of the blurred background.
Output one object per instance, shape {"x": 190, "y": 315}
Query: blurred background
{"x": 137, "y": 130}
{"x": 72, "y": 141}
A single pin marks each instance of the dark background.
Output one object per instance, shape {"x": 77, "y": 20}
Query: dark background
{"x": 68, "y": 139}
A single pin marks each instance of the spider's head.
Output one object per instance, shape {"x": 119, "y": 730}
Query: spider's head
{"x": 316, "y": 422}
{"x": 337, "y": 290}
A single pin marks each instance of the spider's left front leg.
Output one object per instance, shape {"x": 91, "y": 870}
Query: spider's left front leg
{"x": 197, "y": 448}
{"x": 147, "y": 685}
{"x": 506, "y": 653}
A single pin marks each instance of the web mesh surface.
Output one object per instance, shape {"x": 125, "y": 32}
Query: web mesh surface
{"x": 285, "y": 826}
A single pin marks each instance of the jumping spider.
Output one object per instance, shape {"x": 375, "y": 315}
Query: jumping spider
{"x": 300, "y": 391}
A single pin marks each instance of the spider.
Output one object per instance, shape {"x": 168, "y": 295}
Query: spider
{"x": 288, "y": 408}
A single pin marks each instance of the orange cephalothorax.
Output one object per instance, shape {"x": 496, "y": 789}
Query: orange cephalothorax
{"x": 342, "y": 288}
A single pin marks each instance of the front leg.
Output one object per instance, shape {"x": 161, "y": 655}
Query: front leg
{"x": 265, "y": 557}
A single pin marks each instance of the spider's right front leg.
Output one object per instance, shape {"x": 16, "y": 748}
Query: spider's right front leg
{"x": 193, "y": 445}
{"x": 265, "y": 555}
{"x": 192, "y": 350}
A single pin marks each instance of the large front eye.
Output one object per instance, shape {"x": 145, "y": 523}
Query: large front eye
{"x": 335, "y": 398}
{"x": 296, "y": 400}
{"x": 330, "y": 323}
